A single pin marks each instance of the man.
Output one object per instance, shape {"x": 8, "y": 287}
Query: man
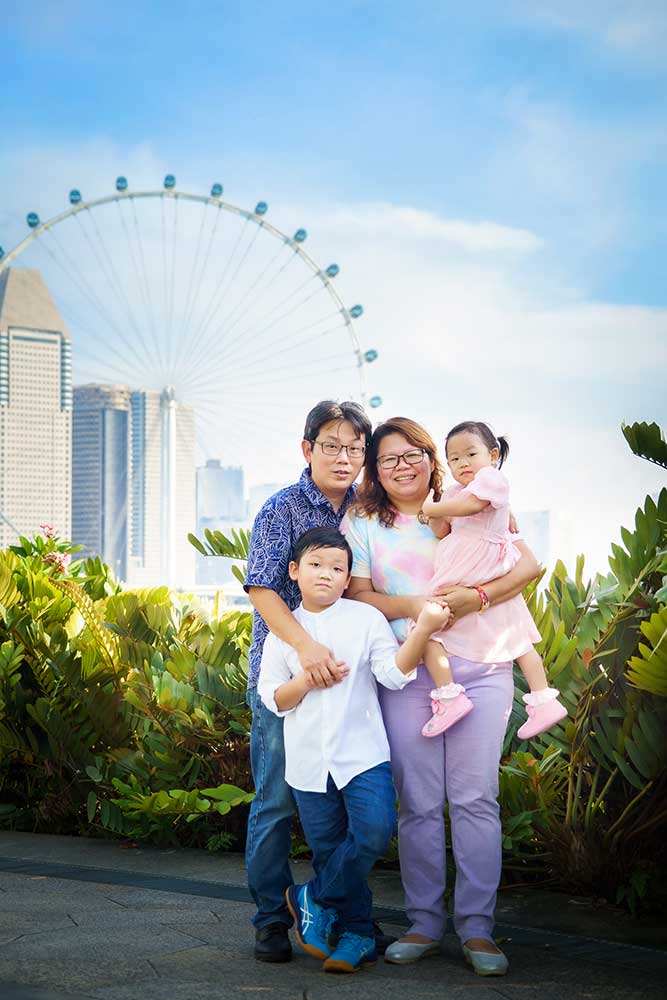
{"x": 334, "y": 443}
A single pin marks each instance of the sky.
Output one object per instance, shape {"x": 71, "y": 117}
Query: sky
{"x": 489, "y": 176}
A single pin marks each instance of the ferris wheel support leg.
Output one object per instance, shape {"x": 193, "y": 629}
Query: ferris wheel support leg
{"x": 168, "y": 505}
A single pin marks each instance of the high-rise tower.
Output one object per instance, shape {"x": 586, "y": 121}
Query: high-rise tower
{"x": 101, "y": 463}
{"x": 35, "y": 408}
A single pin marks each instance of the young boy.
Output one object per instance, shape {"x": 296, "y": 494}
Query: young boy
{"x": 336, "y": 749}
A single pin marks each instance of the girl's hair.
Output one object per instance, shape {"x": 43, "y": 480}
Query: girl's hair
{"x": 371, "y": 497}
{"x": 484, "y": 432}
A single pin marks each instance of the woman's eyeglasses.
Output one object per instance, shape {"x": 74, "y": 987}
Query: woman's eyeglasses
{"x": 409, "y": 457}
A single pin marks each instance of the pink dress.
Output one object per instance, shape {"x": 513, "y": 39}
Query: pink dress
{"x": 479, "y": 548}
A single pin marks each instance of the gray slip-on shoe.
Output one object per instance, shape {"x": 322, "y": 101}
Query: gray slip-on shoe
{"x": 403, "y": 952}
{"x": 486, "y": 963}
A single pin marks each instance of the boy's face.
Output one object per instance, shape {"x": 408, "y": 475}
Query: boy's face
{"x": 322, "y": 575}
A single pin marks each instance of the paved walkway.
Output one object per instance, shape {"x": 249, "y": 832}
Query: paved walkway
{"x": 89, "y": 919}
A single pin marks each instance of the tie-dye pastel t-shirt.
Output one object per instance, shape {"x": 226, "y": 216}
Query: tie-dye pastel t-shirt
{"x": 397, "y": 560}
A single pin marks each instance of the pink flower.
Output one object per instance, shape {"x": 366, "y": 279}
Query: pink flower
{"x": 58, "y": 559}
{"x": 48, "y": 530}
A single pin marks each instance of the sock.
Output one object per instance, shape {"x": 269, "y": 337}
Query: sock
{"x": 535, "y": 698}
{"x": 447, "y": 692}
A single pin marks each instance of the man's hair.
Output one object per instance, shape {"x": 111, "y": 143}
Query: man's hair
{"x": 327, "y": 410}
{"x": 321, "y": 538}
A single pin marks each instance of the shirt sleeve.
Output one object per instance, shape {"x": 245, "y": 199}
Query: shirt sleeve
{"x": 489, "y": 484}
{"x": 382, "y": 656}
{"x": 274, "y": 672}
{"x": 355, "y": 530}
{"x": 270, "y": 549}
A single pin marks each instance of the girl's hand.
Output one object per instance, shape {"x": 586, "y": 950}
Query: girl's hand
{"x": 433, "y": 617}
{"x": 514, "y": 527}
{"x": 417, "y": 604}
{"x": 461, "y": 601}
{"x": 430, "y": 507}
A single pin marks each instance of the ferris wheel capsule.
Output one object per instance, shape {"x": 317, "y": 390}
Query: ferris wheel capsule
{"x": 370, "y": 355}
{"x": 375, "y": 401}
{"x": 2, "y": 253}
{"x": 32, "y": 219}
{"x": 121, "y": 184}
{"x": 300, "y": 235}
{"x": 332, "y": 270}
{"x": 74, "y": 196}
{"x": 261, "y": 208}
{"x": 169, "y": 182}
{"x": 216, "y": 190}
{"x": 356, "y": 312}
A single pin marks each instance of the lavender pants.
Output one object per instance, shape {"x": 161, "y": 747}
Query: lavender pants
{"x": 460, "y": 767}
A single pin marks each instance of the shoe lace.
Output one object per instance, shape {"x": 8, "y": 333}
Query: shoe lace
{"x": 326, "y": 922}
{"x": 355, "y": 940}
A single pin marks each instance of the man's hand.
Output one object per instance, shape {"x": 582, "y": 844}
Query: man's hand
{"x": 323, "y": 669}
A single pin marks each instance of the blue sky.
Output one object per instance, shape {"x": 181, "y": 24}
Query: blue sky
{"x": 491, "y": 176}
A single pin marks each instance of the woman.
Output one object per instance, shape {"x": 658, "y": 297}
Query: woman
{"x": 393, "y": 561}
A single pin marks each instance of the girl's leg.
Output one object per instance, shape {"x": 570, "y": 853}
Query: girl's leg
{"x": 544, "y": 708}
{"x": 532, "y": 669}
{"x": 419, "y": 776}
{"x": 448, "y": 700}
{"x": 473, "y": 750}
{"x": 436, "y": 662}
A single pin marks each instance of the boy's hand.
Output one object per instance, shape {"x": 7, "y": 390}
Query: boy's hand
{"x": 433, "y": 617}
{"x": 320, "y": 664}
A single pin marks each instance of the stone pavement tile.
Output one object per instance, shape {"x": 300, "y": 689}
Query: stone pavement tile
{"x": 15, "y": 925}
{"x": 85, "y": 975}
{"x": 16, "y": 991}
{"x": 83, "y": 943}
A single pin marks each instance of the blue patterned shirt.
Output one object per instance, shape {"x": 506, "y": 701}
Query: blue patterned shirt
{"x": 281, "y": 521}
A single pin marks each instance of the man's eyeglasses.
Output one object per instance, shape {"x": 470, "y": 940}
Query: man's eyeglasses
{"x": 409, "y": 457}
{"x": 330, "y": 448}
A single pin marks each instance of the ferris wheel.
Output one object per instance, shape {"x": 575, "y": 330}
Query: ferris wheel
{"x": 205, "y": 302}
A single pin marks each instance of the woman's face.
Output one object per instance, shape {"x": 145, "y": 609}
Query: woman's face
{"x": 405, "y": 485}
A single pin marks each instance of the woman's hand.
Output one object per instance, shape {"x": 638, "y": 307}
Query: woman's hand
{"x": 461, "y": 601}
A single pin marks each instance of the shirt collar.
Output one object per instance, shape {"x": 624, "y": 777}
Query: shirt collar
{"x": 315, "y": 495}
{"x": 329, "y": 612}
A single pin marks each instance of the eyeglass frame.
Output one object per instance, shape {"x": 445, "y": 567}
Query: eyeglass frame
{"x": 395, "y": 465}
{"x": 340, "y": 447}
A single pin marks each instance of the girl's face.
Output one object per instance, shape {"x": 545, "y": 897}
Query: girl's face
{"x": 467, "y": 454}
{"x": 405, "y": 484}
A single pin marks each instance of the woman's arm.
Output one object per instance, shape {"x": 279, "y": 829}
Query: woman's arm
{"x": 464, "y": 600}
{"x": 391, "y": 606}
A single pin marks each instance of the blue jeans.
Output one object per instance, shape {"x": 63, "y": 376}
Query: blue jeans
{"x": 347, "y": 830}
{"x": 270, "y": 820}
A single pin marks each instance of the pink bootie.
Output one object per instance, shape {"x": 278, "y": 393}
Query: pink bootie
{"x": 446, "y": 712}
{"x": 544, "y": 711}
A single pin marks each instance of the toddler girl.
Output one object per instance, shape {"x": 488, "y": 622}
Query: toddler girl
{"x": 472, "y": 519}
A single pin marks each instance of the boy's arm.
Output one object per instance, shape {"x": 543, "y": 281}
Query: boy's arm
{"x": 395, "y": 668}
{"x": 290, "y": 694}
{"x": 275, "y": 675}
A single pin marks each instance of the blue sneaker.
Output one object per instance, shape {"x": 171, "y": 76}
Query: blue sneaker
{"x": 352, "y": 953}
{"x": 312, "y": 923}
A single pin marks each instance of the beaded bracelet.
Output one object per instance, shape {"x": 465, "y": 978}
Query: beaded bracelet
{"x": 484, "y": 598}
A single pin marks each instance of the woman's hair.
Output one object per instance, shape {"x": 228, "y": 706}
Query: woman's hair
{"x": 484, "y": 432}
{"x": 371, "y": 497}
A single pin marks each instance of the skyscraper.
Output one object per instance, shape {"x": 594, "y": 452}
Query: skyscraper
{"x": 220, "y": 507}
{"x": 150, "y": 547}
{"x": 35, "y": 408}
{"x": 101, "y": 462}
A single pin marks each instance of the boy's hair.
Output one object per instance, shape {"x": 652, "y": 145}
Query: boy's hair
{"x": 484, "y": 432}
{"x": 328, "y": 410}
{"x": 321, "y": 538}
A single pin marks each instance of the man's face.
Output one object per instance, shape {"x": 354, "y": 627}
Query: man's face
{"x": 322, "y": 575}
{"x": 334, "y": 474}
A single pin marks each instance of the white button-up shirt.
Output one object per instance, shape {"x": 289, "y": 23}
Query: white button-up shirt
{"x": 335, "y": 731}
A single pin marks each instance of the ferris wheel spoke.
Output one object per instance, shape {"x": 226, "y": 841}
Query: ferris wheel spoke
{"x": 281, "y": 381}
{"x": 84, "y": 290}
{"x": 189, "y": 301}
{"x": 288, "y": 340}
{"x": 134, "y": 268}
{"x": 149, "y": 303}
{"x": 214, "y": 302}
{"x": 115, "y": 283}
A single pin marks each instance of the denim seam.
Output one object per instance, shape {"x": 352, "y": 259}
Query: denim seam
{"x": 260, "y": 731}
